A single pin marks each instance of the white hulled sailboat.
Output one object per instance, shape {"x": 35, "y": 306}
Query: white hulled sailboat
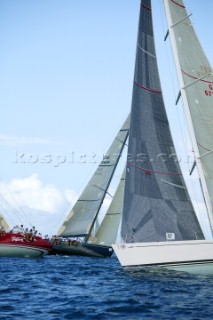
{"x": 159, "y": 224}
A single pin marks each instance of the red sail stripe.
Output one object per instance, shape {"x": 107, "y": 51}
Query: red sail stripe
{"x": 193, "y": 77}
{"x": 148, "y": 171}
{"x": 142, "y": 87}
{"x": 145, "y": 7}
{"x": 178, "y": 4}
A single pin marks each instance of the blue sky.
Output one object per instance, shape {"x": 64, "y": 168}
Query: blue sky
{"x": 66, "y": 71}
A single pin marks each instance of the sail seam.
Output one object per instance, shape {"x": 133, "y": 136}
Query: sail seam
{"x": 106, "y": 165}
{"x": 89, "y": 200}
{"x": 147, "y": 89}
{"x": 173, "y": 184}
{"x": 178, "y": 4}
{"x": 152, "y": 55}
{"x": 149, "y": 171}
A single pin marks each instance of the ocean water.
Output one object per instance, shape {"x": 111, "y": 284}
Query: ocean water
{"x": 59, "y": 287}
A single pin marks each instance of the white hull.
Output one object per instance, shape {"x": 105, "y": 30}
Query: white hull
{"x": 22, "y": 251}
{"x": 190, "y": 256}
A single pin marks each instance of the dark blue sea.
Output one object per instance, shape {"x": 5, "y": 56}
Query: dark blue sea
{"x": 59, "y": 287}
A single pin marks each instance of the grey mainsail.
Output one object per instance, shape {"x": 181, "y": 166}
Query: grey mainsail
{"x": 196, "y": 82}
{"x": 82, "y": 217}
{"x": 156, "y": 206}
{"x": 108, "y": 230}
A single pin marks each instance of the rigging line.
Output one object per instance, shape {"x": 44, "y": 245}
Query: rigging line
{"x": 7, "y": 215}
{"x": 205, "y": 154}
{"x": 9, "y": 205}
{"x": 203, "y": 147}
{"x": 193, "y": 194}
{"x": 149, "y": 171}
{"x": 21, "y": 211}
{"x": 102, "y": 190}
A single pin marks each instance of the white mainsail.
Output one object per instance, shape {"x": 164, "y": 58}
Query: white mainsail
{"x": 82, "y": 217}
{"x": 108, "y": 230}
{"x": 196, "y": 87}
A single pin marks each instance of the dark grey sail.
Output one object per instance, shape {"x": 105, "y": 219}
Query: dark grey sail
{"x": 157, "y": 206}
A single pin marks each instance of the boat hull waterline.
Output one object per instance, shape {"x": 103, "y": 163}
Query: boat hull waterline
{"x": 16, "y": 245}
{"x": 83, "y": 249}
{"x": 190, "y": 256}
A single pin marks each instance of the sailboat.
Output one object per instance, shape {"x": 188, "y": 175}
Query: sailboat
{"x": 78, "y": 234}
{"x": 18, "y": 244}
{"x": 159, "y": 224}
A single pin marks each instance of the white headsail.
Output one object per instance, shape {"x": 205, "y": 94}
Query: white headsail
{"x": 107, "y": 233}
{"x": 196, "y": 87}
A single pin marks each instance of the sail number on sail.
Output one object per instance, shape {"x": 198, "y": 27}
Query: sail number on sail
{"x": 209, "y": 92}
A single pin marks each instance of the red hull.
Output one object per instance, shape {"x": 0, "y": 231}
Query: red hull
{"x": 15, "y": 244}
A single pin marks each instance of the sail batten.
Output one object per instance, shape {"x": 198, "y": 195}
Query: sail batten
{"x": 156, "y": 201}
{"x": 195, "y": 76}
{"x": 83, "y": 215}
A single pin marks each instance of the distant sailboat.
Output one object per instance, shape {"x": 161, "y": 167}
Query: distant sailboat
{"x": 159, "y": 225}
{"x": 81, "y": 221}
{"x": 16, "y": 244}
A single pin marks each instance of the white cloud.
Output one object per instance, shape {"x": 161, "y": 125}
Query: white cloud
{"x": 9, "y": 140}
{"x": 32, "y": 193}
{"x": 38, "y": 203}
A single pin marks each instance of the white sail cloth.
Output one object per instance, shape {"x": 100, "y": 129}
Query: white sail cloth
{"x": 196, "y": 81}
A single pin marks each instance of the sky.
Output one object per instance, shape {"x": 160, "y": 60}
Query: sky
{"x": 66, "y": 73}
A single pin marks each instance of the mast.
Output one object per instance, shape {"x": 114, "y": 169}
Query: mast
{"x": 156, "y": 206}
{"x": 195, "y": 77}
{"x": 83, "y": 215}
